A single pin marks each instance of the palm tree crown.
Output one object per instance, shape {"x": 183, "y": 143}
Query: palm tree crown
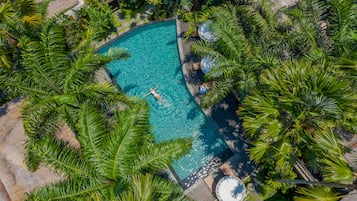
{"x": 117, "y": 159}
{"x": 55, "y": 82}
{"x": 293, "y": 117}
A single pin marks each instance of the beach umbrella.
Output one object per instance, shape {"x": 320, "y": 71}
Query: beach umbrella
{"x": 206, "y": 33}
{"x": 206, "y": 64}
{"x": 230, "y": 188}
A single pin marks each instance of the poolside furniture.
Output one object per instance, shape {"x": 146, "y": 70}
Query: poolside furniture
{"x": 196, "y": 66}
{"x": 204, "y": 87}
{"x": 227, "y": 170}
{"x": 230, "y": 188}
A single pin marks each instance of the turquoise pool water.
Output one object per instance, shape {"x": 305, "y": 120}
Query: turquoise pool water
{"x": 154, "y": 62}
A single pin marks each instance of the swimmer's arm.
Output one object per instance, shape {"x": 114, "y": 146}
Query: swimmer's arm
{"x": 157, "y": 86}
{"x": 146, "y": 94}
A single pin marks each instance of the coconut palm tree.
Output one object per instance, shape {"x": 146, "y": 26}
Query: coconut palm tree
{"x": 117, "y": 159}
{"x": 54, "y": 83}
{"x": 293, "y": 116}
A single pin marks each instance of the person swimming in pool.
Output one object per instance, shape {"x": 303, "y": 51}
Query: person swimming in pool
{"x": 155, "y": 94}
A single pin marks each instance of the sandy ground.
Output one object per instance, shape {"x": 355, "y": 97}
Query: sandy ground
{"x": 13, "y": 172}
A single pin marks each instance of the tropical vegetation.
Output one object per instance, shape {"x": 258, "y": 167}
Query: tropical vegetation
{"x": 302, "y": 59}
{"x": 51, "y": 64}
{"x": 293, "y": 71}
{"x": 117, "y": 159}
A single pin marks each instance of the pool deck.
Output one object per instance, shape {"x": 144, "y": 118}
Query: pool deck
{"x": 228, "y": 122}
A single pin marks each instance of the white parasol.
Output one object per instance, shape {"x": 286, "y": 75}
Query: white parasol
{"x": 205, "y": 33}
{"x": 230, "y": 188}
{"x": 206, "y": 64}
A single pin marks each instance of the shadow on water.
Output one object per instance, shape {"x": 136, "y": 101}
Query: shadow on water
{"x": 216, "y": 147}
{"x": 129, "y": 87}
{"x": 173, "y": 42}
{"x": 229, "y": 129}
{"x": 193, "y": 113}
{"x": 178, "y": 70}
{"x": 115, "y": 73}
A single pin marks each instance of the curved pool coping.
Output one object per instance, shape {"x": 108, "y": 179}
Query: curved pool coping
{"x": 180, "y": 43}
{"x": 186, "y": 68}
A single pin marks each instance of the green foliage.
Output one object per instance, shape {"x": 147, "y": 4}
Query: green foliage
{"x": 92, "y": 23}
{"x": 292, "y": 117}
{"x": 317, "y": 193}
{"x": 244, "y": 48}
{"x": 132, "y": 4}
{"x": 17, "y": 18}
{"x": 115, "y": 161}
{"x": 195, "y": 18}
{"x": 163, "y": 9}
{"x": 54, "y": 83}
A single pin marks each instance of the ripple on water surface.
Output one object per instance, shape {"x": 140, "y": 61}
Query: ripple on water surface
{"x": 154, "y": 62}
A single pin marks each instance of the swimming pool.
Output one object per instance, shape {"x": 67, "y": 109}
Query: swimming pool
{"x": 154, "y": 62}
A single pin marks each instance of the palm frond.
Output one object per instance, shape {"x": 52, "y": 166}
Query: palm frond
{"x": 40, "y": 118}
{"x": 159, "y": 156}
{"x": 254, "y": 22}
{"x": 114, "y": 53}
{"x": 33, "y": 20}
{"x": 64, "y": 159}
{"x": 126, "y": 140}
{"x": 5, "y": 58}
{"x": 169, "y": 190}
{"x": 148, "y": 187}
{"x": 260, "y": 151}
{"x": 342, "y": 15}
{"x": 31, "y": 157}
{"x": 72, "y": 189}
{"x": 328, "y": 143}
{"x": 25, "y": 7}
{"x": 231, "y": 40}
{"x": 225, "y": 69}
{"x": 203, "y": 48}
{"x": 143, "y": 187}
{"x": 317, "y": 194}
{"x": 53, "y": 49}
{"x": 216, "y": 93}
{"x": 337, "y": 170}
{"x": 92, "y": 132}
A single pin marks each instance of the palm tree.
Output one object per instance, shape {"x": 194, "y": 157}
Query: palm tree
{"x": 241, "y": 51}
{"x": 342, "y": 18}
{"x": 54, "y": 83}
{"x": 293, "y": 116}
{"x": 323, "y": 26}
{"x": 318, "y": 194}
{"x": 17, "y": 17}
{"x": 117, "y": 160}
